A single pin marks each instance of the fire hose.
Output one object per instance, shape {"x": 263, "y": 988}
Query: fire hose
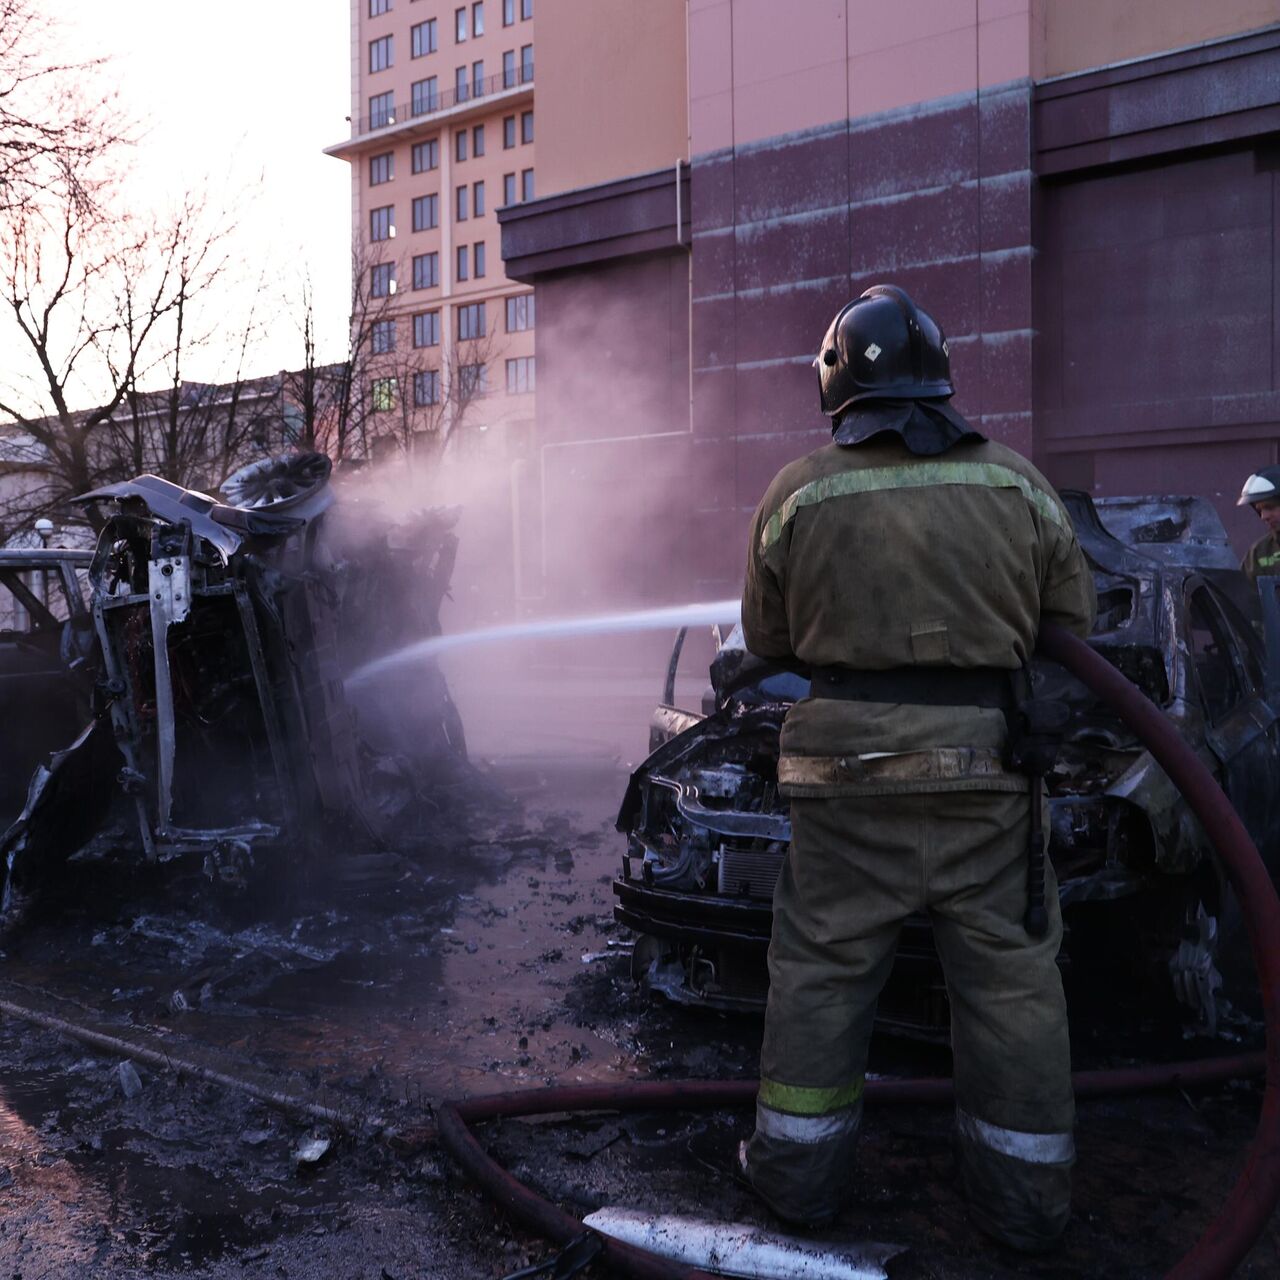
{"x": 1242, "y": 1217}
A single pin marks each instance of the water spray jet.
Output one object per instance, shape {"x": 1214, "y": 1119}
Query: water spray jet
{"x": 663, "y": 618}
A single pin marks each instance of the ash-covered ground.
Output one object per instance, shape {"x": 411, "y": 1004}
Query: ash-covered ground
{"x": 482, "y": 958}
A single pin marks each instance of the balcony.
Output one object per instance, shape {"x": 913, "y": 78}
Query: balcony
{"x": 426, "y": 111}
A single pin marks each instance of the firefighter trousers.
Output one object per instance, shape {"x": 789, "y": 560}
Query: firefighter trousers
{"x": 858, "y": 866}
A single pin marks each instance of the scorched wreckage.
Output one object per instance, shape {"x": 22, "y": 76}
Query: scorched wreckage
{"x": 186, "y": 678}
{"x": 1143, "y": 898}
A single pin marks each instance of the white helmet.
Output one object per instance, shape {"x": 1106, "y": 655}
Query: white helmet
{"x": 1260, "y": 486}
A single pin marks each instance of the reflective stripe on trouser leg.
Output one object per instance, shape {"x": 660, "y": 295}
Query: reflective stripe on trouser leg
{"x": 848, "y": 882}
{"x": 1033, "y": 1148}
{"x": 798, "y": 1163}
{"x": 1018, "y": 1184}
{"x": 1008, "y": 1020}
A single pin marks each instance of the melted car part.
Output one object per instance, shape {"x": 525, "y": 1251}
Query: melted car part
{"x": 736, "y": 1249}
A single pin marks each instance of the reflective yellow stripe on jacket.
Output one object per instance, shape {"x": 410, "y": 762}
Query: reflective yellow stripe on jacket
{"x": 988, "y": 475}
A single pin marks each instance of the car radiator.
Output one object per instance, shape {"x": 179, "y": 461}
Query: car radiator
{"x": 749, "y": 873}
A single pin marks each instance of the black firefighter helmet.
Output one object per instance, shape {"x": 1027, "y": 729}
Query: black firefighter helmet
{"x": 884, "y": 365}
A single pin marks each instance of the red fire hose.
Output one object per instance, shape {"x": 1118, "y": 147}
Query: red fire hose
{"x": 1226, "y": 1239}
{"x": 1240, "y": 1221}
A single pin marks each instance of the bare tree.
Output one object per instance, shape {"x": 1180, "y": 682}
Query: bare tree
{"x": 332, "y": 402}
{"x": 423, "y": 399}
{"x": 99, "y": 302}
{"x": 56, "y": 121}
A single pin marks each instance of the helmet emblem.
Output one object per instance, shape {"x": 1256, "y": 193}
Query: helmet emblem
{"x": 946, "y": 350}
{"x": 871, "y": 352}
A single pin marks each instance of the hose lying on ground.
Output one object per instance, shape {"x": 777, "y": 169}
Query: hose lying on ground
{"x": 1240, "y": 1221}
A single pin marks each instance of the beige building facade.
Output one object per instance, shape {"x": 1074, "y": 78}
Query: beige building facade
{"x": 442, "y": 136}
{"x": 1082, "y": 191}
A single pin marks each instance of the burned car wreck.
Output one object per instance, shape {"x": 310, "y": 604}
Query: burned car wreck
{"x": 208, "y": 665}
{"x": 1148, "y": 915}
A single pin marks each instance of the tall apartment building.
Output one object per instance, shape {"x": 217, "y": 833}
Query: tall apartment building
{"x": 442, "y": 128}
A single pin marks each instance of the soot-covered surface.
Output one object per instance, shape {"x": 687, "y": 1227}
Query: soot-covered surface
{"x": 480, "y": 957}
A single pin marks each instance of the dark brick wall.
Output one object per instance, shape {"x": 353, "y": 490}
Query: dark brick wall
{"x": 1158, "y": 360}
{"x": 937, "y": 199}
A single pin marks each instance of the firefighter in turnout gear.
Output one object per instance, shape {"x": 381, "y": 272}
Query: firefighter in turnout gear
{"x": 1262, "y": 492}
{"x": 908, "y": 565}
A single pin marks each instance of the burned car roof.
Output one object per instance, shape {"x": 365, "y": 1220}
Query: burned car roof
{"x": 707, "y": 830}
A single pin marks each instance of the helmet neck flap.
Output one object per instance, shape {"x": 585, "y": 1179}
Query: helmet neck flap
{"x": 926, "y": 427}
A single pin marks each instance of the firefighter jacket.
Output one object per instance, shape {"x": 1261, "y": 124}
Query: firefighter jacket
{"x": 872, "y": 557}
{"x": 1263, "y": 558}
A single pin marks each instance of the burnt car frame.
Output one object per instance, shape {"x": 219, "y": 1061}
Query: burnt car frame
{"x": 1142, "y": 895}
{"x": 208, "y": 669}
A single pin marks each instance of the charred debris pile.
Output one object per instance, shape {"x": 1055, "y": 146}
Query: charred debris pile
{"x": 198, "y": 665}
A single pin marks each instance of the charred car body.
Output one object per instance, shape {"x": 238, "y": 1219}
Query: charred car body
{"x": 1142, "y": 896}
{"x": 210, "y": 658}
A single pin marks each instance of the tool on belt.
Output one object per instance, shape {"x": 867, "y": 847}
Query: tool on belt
{"x": 1035, "y": 728}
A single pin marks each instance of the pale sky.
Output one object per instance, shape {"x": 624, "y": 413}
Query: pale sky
{"x": 246, "y": 93}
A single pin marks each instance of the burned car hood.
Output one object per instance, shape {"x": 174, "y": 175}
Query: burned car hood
{"x": 223, "y": 527}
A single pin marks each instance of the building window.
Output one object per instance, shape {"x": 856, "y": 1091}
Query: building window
{"x": 382, "y": 110}
{"x": 478, "y": 258}
{"x": 473, "y": 380}
{"x": 381, "y": 168}
{"x": 378, "y": 7}
{"x": 426, "y": 156}
{"x": 508, "y": 132}
{"x": 384, "y": 337}
{"x": 461, "y": 90}
{"x": 471, "y": 321}
{"x": 422, "y": 39}
{"x": 384, "y": 395}
{"x": 460, "y": 24}
{"x": 464, "y": 258}
{"x": 426, "y": 329}
{"x": 382, "y": 279}
{"x": 426, "y": 388}
{"x": 526, "y": 63}
{"x": 526, "y": 184}
{"x": 426, "y": 270}
{"x": 477, "y": 201}
{"x": 519, "y": 375}
{"x": 424, "y": 96}
{"x": 382, "y": 225}
{"x": 526, "y": 9}
{"x": 509, "y": 69}
{"x": 508, "y": 12}
{"x": 526, "y": 126}
{"x": 380, "y": 53}
{"x": 477, "y": 18}
{"x": 426, "y": 212}
{"x": 477, "y": 79}
{"x": 460, "y": 145}
{"x": 508, "y": 188}
{"x": 520, "y": 313}
{"x": 460, "y": 204}
{"x": 477, "y": 140}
